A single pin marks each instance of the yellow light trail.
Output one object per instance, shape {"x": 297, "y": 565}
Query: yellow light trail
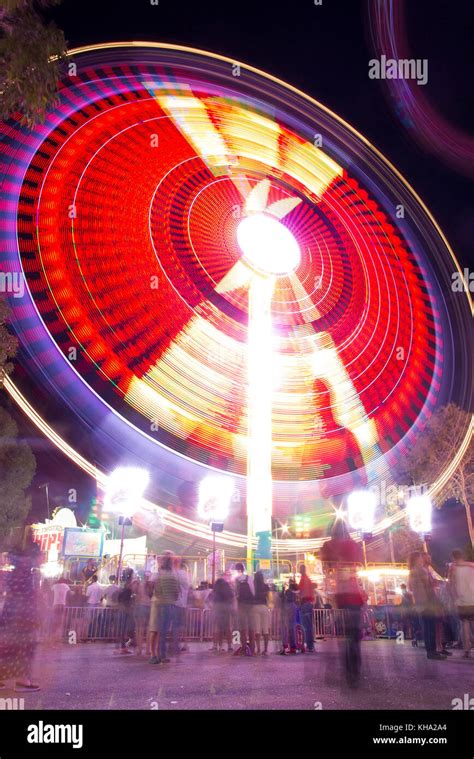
{"x": 181, "y": 524}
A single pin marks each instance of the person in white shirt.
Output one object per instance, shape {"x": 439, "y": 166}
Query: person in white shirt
{"x": 110, "y": 593}
{"x": 60, "y": 592}
{"x": 461, "y": 580}
{"x": 110, "y": 604}
{"x": 94, "y": 592}
{"x": 94, "y": 595}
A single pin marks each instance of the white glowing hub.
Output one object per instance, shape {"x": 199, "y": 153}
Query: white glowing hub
{"x": 268, "y": 245}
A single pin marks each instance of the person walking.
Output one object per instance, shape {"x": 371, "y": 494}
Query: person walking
{"x": 19, "y": 619}
{"x": 261, "y": 614}
{"x": 45, "y": 610}
{"x": 461, "y": 577}
{"x": 181, "y": 604}
{"x": 288, "y": 606}
{"x": 319, "y": 617}
{"x": 451, "y": 625}
{"x": 166, "y": 592}
{"x": 244, "y": 591}
{"x": 94, "y": 594}
{"x": 222, "y": 598}
{"x": 110, "y": 622}
{"x": 228, "y": 577}
{"x": 142, "y": 612}
{"x": 110, "y": 593}
{"x": 60, "y": 593}
{"x": 344, "y": 557}
{"x": 419, "y": 583}
{"x": 126, "y": 604}
{"x": 407, "y": 606}
{"x": 153, "y": 628}
{"x": 306, "y": 591}
{"x": 318, "y": 598}
{"x": 436, "y": 582}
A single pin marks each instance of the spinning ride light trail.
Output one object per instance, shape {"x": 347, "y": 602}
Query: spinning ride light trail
{"x": 270, "y": 250}
{"x": 132, "y": 213}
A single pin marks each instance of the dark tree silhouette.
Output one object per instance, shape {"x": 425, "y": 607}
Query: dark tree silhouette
{"x": 17, "y": 462}
{"x": 32, "y": 53}
{"x": 435, "y": 449}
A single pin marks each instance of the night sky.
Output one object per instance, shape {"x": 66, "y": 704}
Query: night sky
{"x": 323, "y": 50}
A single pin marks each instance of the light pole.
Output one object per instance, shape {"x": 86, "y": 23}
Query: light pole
{"x": 123, "y": 522}
{"x": 277, "y": 554}
{"x": 419, "y": 510}
{"x": 46, "y": 487}
{"x": 390, "y": 543}
{"x": 361, "y": 512}
{"x": 215, "y": 527}
{"x": 215, "y": 495}
{"x": 124, "y": 489}
{"x": 284, "y": 529}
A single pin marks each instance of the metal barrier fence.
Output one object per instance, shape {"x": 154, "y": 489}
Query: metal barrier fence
{"x": 96, "y": 623}
{"x": 101, "y": 623}
{"x": 329, "y": 623}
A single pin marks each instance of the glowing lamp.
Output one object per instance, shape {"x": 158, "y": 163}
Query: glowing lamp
{"x": 52, "y": 569}
{"x": 124, "y": 489}
{"x": 215, "y": 494}
{"x": 361, "y": 510}
{"x": 268, "y": 245}
{"x": 65, "y": 517}
{"x": 419, "y": 513}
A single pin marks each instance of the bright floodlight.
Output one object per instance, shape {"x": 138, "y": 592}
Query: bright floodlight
{"x": 361, "y": 510}
{"x": 268, "y": 245}
{"x": 419, "y": 513}
{"x": 215, "y": 494}
{"x": 124, "y": 489}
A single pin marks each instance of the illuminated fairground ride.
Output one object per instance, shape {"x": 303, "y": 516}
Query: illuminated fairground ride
{"x": 221, "y": 273}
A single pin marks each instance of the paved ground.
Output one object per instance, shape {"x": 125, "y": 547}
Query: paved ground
{"x": 90, "y": 676}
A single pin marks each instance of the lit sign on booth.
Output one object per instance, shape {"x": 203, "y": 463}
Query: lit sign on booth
{"x": 49, "y": 537}
{"x": 82, "y": 543}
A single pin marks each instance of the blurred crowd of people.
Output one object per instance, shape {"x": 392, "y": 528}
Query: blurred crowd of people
{"x": 152, "y": 609}
{"x": 148, "y": 614}
{"x": 439, "y": 610}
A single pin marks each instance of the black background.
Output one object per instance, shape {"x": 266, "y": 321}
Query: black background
{"x": 275, "y": 733}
